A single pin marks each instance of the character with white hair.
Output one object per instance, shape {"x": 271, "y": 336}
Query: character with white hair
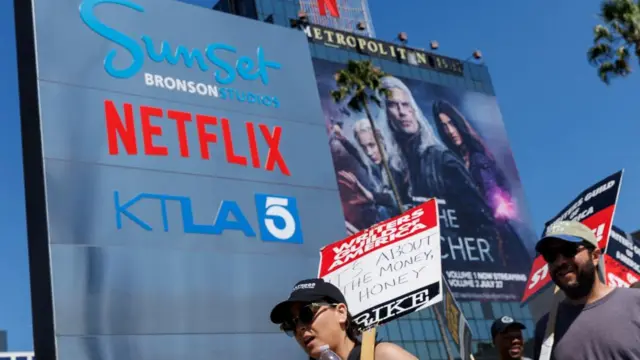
{"x": 434, "y": 171}
{"x": 381, "y": 193}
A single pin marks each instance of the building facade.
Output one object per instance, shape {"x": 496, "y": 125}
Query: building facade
{"x": 154, "y": 224}
{"x": 419, "y": 332}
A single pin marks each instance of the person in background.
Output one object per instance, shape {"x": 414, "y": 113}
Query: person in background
{"x": 594, "y": 321}
{"x": 507, "y": 338}
{"x": 316, "y": 314}
{"x": 635, "y": 285}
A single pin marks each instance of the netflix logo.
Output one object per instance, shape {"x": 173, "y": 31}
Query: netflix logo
{"x": 331, "y": 5}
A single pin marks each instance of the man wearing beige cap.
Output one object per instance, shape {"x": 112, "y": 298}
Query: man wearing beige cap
{"x": 594, "y": 321}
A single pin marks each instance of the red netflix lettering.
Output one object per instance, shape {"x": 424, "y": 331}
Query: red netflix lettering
{"x": 149, "y": 131}
{"x": 274, "y": 156}
{"x": 253, "y": 145}
{"x": 116, "y": 129}
{"x": 122, "y": 138}
{"x": 204, "y": 136}
{"x": 180, "y": 118}
{"x": 228, "y": 146}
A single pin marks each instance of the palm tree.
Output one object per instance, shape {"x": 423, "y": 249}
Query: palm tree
{"x": 361, "y": 83}
{"x": 614, "y": 41}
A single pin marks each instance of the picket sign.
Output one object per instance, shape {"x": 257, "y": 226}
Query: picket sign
{"x": 368, "y": 344}
{"x": 364, "y": 267}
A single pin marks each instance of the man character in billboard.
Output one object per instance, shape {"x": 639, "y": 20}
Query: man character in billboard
{"x": 434, "y": 171}
{"x": 594, "y": 321}
{"x": 461, "y": 138}
{"x": 381, "y": 194}
{"x": 507, "y": 338}
{"x": 316, "y": 315}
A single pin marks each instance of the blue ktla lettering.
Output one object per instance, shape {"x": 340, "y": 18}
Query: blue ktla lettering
{"x": 229, "y": 216}
{"x": 225, "y": 74}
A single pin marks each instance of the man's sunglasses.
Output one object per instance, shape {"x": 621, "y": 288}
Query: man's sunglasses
{"x": 305, "y": 317}
{"x": 568, "y": 251}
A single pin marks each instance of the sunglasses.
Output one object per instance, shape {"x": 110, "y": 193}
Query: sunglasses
{"x": 306, "y": 316}
{"x": 568, "y": 251}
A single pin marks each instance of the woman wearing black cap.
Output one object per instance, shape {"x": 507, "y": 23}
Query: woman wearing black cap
{"x": 316, "y": 314}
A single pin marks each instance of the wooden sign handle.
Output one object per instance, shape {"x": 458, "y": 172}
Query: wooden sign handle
{"x": 368, "y": 344}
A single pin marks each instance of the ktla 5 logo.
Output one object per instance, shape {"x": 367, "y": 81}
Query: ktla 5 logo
{"x": 277, "y": 216}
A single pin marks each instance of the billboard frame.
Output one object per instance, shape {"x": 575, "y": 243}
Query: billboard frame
{"x": 42, "y": 314}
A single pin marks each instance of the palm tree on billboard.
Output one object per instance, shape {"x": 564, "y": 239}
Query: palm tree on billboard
{"x": 614, "y": 40}
{"x": 361, "y": 83}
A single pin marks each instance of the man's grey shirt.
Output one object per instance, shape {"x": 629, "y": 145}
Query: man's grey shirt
{"x": 608, "y": 329}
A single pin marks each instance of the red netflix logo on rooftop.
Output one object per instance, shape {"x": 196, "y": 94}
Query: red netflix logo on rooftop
{"x": 331, "y": 5}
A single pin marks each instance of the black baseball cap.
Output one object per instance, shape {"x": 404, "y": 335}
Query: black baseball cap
{"x": 501, "y": 324}
{"x": 307, "y": 291}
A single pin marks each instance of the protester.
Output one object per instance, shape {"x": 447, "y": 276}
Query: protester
{"x": 594, "y": 321}
{"x": 316, "y": 314}
{"x": 507, "y": 338}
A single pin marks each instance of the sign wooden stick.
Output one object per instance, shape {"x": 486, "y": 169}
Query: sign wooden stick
{"x": 368, "y": 344}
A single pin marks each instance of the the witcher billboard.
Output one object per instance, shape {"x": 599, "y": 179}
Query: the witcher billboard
{"x": 444, "y": 143}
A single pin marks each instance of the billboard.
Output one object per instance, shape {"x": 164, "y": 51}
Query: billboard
{"x": 486, "y": 236}
{"x": 180, "y": 200}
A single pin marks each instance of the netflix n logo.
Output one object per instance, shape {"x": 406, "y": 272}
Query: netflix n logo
{"x": 331, "y": 5}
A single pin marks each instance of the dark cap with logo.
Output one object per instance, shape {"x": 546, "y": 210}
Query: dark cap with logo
{"x": 307, "y": 291}
{"x": 500, "y": 325}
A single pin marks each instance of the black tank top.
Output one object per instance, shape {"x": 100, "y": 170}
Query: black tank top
{"x": 355, "y": 353}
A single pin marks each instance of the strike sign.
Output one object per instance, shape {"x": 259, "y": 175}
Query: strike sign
{"x": 389, "y": 270}
{"x": 595, "y": 208}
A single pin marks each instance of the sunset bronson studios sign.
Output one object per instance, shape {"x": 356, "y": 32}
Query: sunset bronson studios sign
{"x": 184, "y": 158}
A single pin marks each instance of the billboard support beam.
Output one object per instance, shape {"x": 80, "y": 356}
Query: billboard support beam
{"x": 35, "y": 202}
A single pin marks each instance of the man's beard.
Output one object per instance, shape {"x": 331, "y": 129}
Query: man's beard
{"x": 585, "y": 277}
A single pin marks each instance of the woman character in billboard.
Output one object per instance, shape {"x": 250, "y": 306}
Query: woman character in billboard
{"x": 459, "y": 136}
{"x": 316, "y": 315}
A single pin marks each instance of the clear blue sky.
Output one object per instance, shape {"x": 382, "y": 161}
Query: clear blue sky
{"x": 567, "y": 129}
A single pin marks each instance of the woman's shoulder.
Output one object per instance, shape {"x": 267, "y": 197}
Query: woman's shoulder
{"x": 388, "y": 351}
